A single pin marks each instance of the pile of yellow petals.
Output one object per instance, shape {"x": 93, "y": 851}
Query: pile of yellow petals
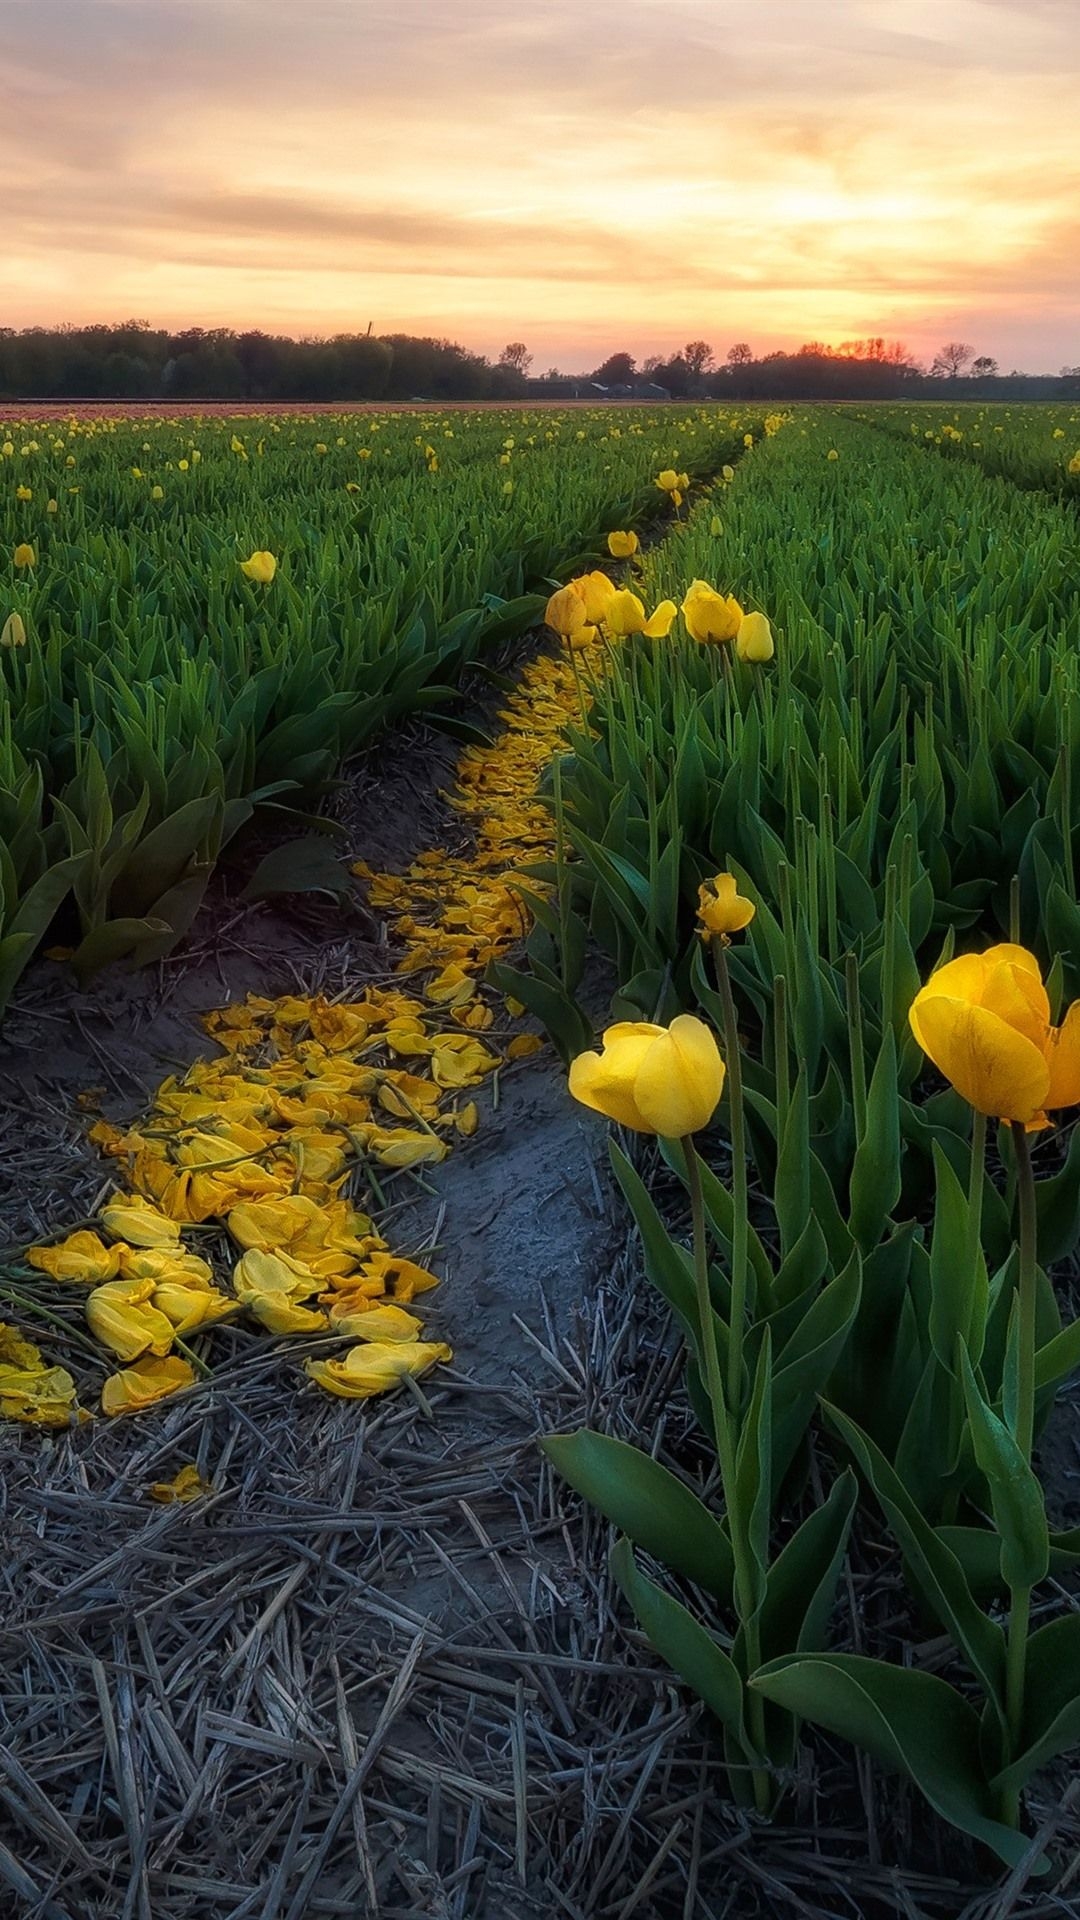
{"x": 260, "y": 1142}
{"x": 30, "y": 1390}
{"x": 455, "y": 913}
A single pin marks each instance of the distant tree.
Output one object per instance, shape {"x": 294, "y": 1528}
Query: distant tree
{"x": 740, "y": 355}
{"x": 1070, "y": 373}
{"x": 516, "y": 356}
{"x": 698, "y": 356}
{"x": 674, "y": 374}
{"x": 616, "y": 371}
{"x": 952, "y": 359}
{"x": 984, "y": 367}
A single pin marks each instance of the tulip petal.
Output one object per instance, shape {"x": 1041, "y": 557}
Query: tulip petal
{"x": 680, "y": 1079}
{"x": 997, "y": 1071}
{"x": 1018, "y": 997}
{"x": 1063, "y": 1060}
{"x": 596, "y": 1084}
{"x": 658, "y": 625}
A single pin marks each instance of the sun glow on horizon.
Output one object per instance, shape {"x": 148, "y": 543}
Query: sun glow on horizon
{"x": 619, "y": 178}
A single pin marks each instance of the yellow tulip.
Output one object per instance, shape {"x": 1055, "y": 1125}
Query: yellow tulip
{"x": 81, "y": 1257}
{"x": 281, "y": 1316}
{"x": 24, "y": 555}
{"x": 595, "y": 591}
{"x": 260, "y": 566}
{"x": 668, "y": 480}
{"x": 754, "y": 639}
{"x": 52, "y": 506}
{"x": 13, "y": 632}
{"x": 565, "y": 613}
{"x": 622, "y": 545}
{"x": 147, "y": 1381}
{"x": 401, "y": 1147}
{"x": 257, "y": 1274}
{"x": 710, "y": 616}
{"x": 355, "y": 1315}
{"x": 984, "y": 1020}
{"x": 165, "y": 1266}
{"x": 721, "y": 907}
{"x": 189, "y": 1306}
{"x": 727, "y": 473}
{"x": 832, "y": 454}
{"x": 128, "y": 1217}
{"x": 665, "y": 1080}
{"x": 369, "y": 1369}
{"x": 626, "y": 615}
{"x": 119, "y": 1314}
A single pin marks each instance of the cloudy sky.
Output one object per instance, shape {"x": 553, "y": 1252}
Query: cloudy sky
{"x": 582, "y": 174}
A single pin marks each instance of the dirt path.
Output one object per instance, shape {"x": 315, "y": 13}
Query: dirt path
{"x": 380, "y": 1668}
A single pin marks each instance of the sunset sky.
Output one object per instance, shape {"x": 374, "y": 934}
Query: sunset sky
{"x": 579, "y": 174}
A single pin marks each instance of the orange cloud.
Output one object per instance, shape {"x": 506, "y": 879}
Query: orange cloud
{"x": 589, "y": 175}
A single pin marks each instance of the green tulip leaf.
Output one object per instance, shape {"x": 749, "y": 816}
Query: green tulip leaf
{"x": 690, "y": 1651}
{"x": 802, "y": 1579}
{"x": 913, "y": 1722}
{"x": 660, "y": 1513}
{"x": 875, "y": 1173}
{"x": 939, "y": 1574}
{"x": 1051, "y": 1721}
{"x": 1015, "y": 1493}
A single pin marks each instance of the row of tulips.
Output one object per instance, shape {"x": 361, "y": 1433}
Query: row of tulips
{"x": 1033, "y": 446}
{"x": 888, "y": 1292}
{"x": 169, "y": 665}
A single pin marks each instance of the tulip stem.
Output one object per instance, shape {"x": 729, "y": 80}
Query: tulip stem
{"x": 976, "y": 1185}
{"x": 781, "y": 1062}
{"x": 853, "y": 996}
{"x": 1025, "y": 1392}
{"x": 1020, "y": 1597}
{"x": 725, "y": 1450}
{"x": 740, "y": 1222}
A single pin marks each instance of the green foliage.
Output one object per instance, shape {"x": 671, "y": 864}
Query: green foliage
{"x": 161, "y": 696}
{"x": 897, "y": 786}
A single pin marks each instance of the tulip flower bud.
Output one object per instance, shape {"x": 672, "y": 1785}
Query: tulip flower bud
{"x": 595, "y": 591}
{"x": 710, "y": 616}
{"x": 260, "y": 566}
{"x": 13, "y": 632}
{"x": 622, "y": 546}
{"x": 722, "y": 910}
{"x": 654, "y": 1079}
{"x": 565, "y": 612}
{"x": 984, "y": 1020}
{"x": 754, "y": 639}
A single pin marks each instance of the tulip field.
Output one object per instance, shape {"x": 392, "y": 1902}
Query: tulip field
{"x": 201, "y": 623}
{"x": 551, "y": 1395}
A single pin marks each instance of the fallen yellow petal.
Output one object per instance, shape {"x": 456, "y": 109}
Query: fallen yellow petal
{"x": 184, "y": 1486}
{"x": 367, "y": 1370}
{"x": 143, "y": 1384}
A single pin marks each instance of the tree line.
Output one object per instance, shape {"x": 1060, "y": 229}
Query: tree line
{"x": 135, "y": 361}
